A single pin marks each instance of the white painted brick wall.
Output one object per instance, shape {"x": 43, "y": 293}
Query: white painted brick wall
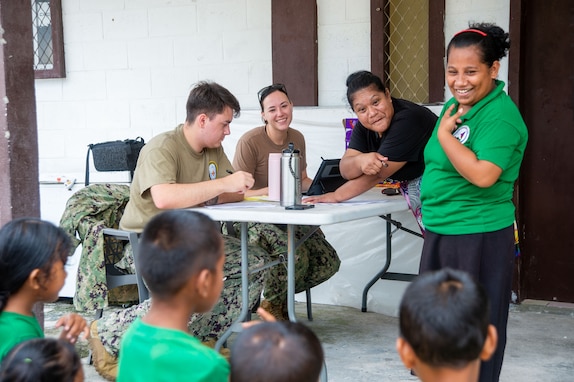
{"x": 344, "y": 46}
{"x": 131, "y": 63}
{"x": 125, "y": 24}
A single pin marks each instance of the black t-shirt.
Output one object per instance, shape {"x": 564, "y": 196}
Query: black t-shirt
{"x": 404, "y": 140}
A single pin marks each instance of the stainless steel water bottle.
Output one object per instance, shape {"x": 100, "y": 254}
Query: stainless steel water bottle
{"x": 290, "y": 177}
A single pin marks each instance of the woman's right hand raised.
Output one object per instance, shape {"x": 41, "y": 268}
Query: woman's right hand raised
{"x": 449, "y": 121}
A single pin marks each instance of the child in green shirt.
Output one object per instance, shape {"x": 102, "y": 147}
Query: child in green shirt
{"x": 181, "y": 260}
{"x": 32, "y": 258}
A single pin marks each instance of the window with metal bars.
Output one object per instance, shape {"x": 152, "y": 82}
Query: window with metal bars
{"x": 48, "y": 40}
{"x": 406, "y": 65}
{"x": 407, "y": 47}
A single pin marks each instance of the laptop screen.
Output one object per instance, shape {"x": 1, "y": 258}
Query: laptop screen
{"x": 327, "y": 179}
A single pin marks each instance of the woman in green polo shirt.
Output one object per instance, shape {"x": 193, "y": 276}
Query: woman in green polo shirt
{"x": 471, "y": 163}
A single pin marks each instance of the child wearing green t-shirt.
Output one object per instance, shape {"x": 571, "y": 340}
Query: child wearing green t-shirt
{"x": 33, "y": 253}
{"x": 181, "y": 260}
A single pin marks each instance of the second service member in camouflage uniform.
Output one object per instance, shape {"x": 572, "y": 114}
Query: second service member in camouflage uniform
{"x": 88, "y": 211}
{"x": 315, "y": 259}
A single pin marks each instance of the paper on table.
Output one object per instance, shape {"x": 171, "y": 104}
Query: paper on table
{"x": 261, "y": 198}
{"x": 354, "y": 201}
{"x": 358, "y": 201}
{"x": 244, "y": 204}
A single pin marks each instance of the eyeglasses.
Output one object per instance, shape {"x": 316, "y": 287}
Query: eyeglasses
{"x": 263, "y": 93}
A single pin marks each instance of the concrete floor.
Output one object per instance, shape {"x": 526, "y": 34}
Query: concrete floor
{"x": 360, "y": 346}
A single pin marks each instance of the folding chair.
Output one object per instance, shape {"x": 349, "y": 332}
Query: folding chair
{"x": 114, "y": 156}
{"x": 114, "y": 244}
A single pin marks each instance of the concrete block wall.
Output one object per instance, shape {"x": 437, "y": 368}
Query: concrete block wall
{"x": 344, "y": 46}
{"x": 130, "y": 64}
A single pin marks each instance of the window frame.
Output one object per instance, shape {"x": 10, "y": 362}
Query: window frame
{"x": 380, "y": 47}
{"x": 306, "y": 77}
{"x": 59, "y": 68}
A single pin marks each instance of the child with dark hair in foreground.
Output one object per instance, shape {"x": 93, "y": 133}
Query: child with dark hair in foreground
{"x": 444, "y": 327}
{"x": 276, "y": 351}
{"x": 42, "y": 359}
{"x": 181, "y": 260}
{"x": 33, "y": 254}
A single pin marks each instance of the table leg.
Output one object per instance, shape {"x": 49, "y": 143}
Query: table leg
{"x": 291, "y": 246}
{"x": 236, "y": 326}
{"x": 382, "y": 271}
{"x": 383, "y": 274}
{"x": 291, "y": 272}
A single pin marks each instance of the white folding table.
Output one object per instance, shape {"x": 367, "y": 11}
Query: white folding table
{"x": 370, "y": 204}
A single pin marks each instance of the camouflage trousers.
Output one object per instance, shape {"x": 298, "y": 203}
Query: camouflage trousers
{"x": 211, "y": 325}
{"x": 315, "y": 259}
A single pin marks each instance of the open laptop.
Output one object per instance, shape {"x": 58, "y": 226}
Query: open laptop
{"x": 327, "y": 179}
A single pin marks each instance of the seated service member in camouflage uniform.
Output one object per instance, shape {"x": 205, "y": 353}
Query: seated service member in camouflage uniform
{"x": 316, "y": 259}
{"x": 183, "y": 168}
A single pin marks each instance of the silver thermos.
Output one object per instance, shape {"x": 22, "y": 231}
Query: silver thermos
{"x": 290, "y": 177}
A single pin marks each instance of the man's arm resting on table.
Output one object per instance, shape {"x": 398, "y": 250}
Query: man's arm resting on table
{"x": 184, "y": 195}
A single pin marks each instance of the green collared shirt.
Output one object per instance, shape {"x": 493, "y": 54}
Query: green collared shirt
{"x": 495, "y": 131}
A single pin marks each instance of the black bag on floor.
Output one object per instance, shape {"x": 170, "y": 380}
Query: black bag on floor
{"x": 114, "y": 156}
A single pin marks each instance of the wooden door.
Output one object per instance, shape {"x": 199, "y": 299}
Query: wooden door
{"x": 546, "y": 184}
